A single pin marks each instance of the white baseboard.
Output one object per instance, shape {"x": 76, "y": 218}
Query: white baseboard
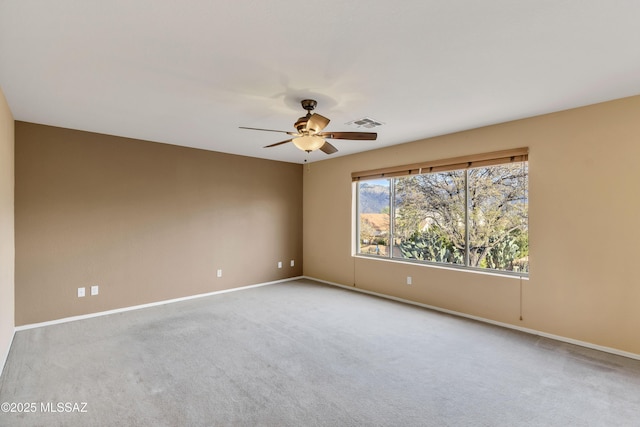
{"x": 152, "y": 304}
{"x": 492, "y": 322}
{"x": 5, "y": 356}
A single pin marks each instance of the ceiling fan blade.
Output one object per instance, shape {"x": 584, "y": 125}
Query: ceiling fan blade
{"x": 278, "y": 143}
{"x": 270, "y": 130}
{"x": 328, "y": 148}
{"x": 317, "y": 122}
{"x": 368, "y": 136}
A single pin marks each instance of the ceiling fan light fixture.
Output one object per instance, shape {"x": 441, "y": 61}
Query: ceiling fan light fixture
{"x": 308, "y": 142}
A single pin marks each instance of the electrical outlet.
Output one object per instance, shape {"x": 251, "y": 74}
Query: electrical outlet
{"x": 279, "y": 264}
{"x": 219, "y": 273}
{"x": 409, "y": 280}
{"x": 94, "y": 290}
{"x": 293, "y": 263}
{"x": 80, "y": 292}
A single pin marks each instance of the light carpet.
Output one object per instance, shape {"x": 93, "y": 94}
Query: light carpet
{"x": 302, "y": 353}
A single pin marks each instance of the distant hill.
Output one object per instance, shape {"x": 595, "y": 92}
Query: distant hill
{"x": 373, "y": 198}
{"x": 378, "y": 221}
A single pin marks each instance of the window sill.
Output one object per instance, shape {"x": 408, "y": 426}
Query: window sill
{"x": 463, "y": 269}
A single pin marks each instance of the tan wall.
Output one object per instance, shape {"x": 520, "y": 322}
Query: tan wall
{"x": 7, "y": 247}
{"x": 145, "y": 221}
{"x": 584, "y": 208}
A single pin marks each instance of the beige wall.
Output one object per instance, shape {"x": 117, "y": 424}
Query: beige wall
{"x": 584, "y": 208}
{"x": 145, "y": 221}
{"x": 7, "y": 248}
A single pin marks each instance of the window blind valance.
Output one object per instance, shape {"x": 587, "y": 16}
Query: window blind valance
{"x": 443, "y": 165}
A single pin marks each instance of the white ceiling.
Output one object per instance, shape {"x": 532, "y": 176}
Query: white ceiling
{"x": 190, "y": 72}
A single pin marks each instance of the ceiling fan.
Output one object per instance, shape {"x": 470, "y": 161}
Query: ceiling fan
{"x": 309, "y": 136}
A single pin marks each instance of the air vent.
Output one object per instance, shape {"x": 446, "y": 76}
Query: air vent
{"x": 365, "y": 122}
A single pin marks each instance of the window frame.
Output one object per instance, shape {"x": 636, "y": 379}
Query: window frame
{"x": 466, "y": 163}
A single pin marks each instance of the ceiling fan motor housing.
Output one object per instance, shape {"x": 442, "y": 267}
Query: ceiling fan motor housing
{"x": 301, "y": 123}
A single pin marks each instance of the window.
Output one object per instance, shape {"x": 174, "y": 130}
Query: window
{"x": 430, "y": 217}
{"x": 374, "y": 217}
{"x": 469, "y": 216}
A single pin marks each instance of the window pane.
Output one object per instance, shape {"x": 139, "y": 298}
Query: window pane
{"x": 429, "y": 220}
{"x": 374, "y": 199}
{"x": 498, "y": 218}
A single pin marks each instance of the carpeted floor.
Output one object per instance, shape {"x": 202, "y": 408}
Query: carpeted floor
{"x": 306, "y": 354}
